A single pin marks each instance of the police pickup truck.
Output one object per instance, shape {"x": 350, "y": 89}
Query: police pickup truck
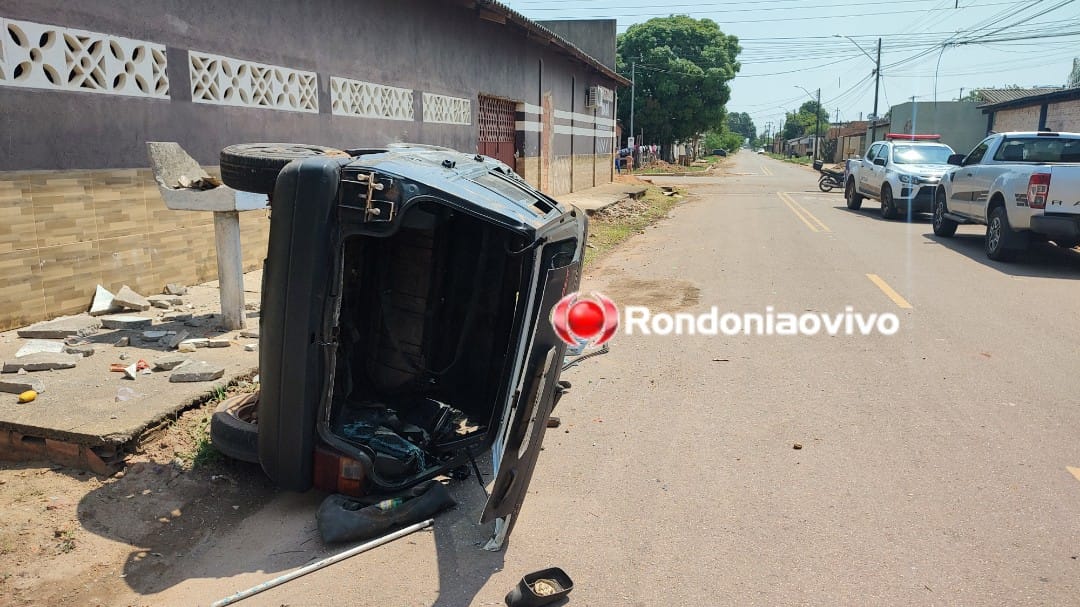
{"x": 902, "y": 172}
{"x": 1021, "y": 186}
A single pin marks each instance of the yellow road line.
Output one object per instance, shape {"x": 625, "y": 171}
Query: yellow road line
{"x": 803, "y": 212}
{"x": 1075, "y": 471}
{"x": 889, "y": 292}
{"x": 765, "y": 170}
{"x": 786, "y": 200}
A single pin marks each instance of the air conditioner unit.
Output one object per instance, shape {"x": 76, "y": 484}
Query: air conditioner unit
{"x": 594, "y": 97}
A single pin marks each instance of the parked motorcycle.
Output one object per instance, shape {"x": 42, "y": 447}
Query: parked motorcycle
{"x": 830, "y": 178}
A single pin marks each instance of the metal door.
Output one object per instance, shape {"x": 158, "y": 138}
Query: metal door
{"x": 497, "y": 129}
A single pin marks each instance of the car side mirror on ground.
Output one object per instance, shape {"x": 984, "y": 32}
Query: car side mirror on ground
{"x": 956, "y": 160}
{"x": 879, "y": 161}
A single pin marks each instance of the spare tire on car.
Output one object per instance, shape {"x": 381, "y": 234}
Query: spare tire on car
{"x": 234, "y": 427}
{"x": 254, "y": 167}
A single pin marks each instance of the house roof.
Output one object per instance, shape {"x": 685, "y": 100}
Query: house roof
{"x": 495, "y": 11}
{"x": 992, "y": 97}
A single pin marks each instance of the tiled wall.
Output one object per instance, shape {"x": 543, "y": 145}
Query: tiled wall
{"x": 1063, "y": 116}
{"x": 1020, "y": 119}
{"x": 64, "y": 232}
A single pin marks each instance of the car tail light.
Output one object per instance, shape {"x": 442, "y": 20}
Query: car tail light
{"x": 1038, "y": 188}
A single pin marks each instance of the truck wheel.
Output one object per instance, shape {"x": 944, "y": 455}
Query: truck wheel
{"x": 888, "y": 208}
{"x": 254, "y": 167}
{"x": 854, "y": 200}
{"x": 943, "y": 226}
{"x": 998, "y": 236}
{"x": 234, "y": 429}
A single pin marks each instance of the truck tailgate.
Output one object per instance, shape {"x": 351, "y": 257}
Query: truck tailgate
{"x": 1064, "y": 194}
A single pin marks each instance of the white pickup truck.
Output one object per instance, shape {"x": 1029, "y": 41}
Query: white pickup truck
{"x": 902, "y": 172}
{"x": 1020, "y": 186}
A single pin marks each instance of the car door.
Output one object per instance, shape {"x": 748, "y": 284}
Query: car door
{"x": 869, "y": 181}
{"x": 516, "y": 450}
{"x": 964, "y": 181}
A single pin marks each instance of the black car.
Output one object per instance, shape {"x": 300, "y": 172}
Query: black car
{"x": 719, "y": 152}
{"x": 406, "y": 303}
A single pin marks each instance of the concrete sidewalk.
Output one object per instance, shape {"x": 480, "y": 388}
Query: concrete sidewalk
{"x": 603, "y": 196}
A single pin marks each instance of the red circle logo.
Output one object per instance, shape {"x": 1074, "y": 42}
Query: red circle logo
{"x": 593, "y": 319}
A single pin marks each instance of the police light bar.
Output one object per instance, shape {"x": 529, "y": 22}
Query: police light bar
{"x": 910, "y": 137}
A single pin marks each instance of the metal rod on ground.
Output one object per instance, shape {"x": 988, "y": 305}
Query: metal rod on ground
{"x": 330, "y": 560}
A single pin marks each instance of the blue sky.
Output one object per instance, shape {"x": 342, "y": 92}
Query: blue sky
{"x": 790, "y": 43}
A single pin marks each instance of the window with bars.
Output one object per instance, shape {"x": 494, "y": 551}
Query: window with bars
{"x": 496, "y": 118}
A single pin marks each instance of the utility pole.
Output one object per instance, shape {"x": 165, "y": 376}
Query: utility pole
{"x": 817, "y": 126}
{"x": 633, "y": 93}
{"x": 877, "y": 86}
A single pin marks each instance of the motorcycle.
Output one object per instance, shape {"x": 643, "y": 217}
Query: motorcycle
{"x": 830, "y": 178}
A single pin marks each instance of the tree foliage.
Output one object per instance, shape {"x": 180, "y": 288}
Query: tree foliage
{"x": 683, "y": 69}
{"x": 741, "y": 123}
{"x": 802, "y": 123}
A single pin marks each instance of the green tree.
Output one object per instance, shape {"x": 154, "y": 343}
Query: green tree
{"x": 683, "y": 69}
{"x": 741, "y": 123}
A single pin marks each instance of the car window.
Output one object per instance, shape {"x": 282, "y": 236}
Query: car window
{"x": 1038, "y": 149}
{"x": 976, "y": 155}
{"x": 872, "y": 152}
{"x": 921, "y": 154}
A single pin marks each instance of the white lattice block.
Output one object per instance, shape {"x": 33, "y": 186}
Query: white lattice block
{"x": 447, "y": 110}
{"x": 222, "y": 80}
{"x": 368, "y": 100}
{"x": 39, "y": 56}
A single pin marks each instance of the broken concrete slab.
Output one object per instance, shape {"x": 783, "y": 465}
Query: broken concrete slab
{"x": 123, "y": 342}
{"x": 127, "y": 321}
{"x": 36, "y": 346}
{"x": 197, "y": 370}
{"x": 103, "y": 302}
{"x": 42, "y": 361}
{"x": 20, "y": 384}
{"x": 165, "y": 301}
{"x": 197, "y": 342}
{"x": 59, "y": 328}
{"x": 218, "y": 343}
{"x": 251, "y": 347}
{"x": 154, "y": 335}
{"x": 170, "y": 362}
{"x": 131, "y": 300}
{"x": 176, "y": 317}
{"x": 252, "y": 333}
{"x": 83, "y": 350}
{"x": 175, "y": 289}
{"x": 173, "y": 341}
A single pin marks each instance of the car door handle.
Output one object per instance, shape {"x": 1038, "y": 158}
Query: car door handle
{"x": 968, "y": 174}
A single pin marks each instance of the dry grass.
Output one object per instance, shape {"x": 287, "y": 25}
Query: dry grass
{"x": 615, "y": 224}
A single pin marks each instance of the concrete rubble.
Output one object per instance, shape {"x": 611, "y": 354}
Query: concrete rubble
{"x": 103, "y": 302}
{"x": 218, "y": 343}
{"x": 42, "y": 361}
{"x": 37, "y": 346}
{"x": 129, "y": 322}
{"x": 172, "y": 341}
{"x": 20, "y": 384}
{"x": 170, "y": 362}
{"x": 175, "y": 289}
{"x": 59, "y": 328}
{"x": 189, "y": 345}
{"x": 130, "y": 300}
{"x": 154, "y": 335}
{"x": 83, "y": 350}
{"x": 197, "y": 370}
{"x": 251, "y": 333}
{"x": 165, "y": 302}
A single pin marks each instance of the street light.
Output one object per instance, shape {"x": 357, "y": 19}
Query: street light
{"x": 817, "y": 121}
{"x": 877, "y": 78}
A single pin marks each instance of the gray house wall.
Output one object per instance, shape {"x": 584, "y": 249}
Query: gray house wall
{"x": 961, "y": 124}
{"x": 78, "y": 207}
{"x": 594, "y": 36}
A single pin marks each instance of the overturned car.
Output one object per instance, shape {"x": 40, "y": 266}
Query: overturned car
{"x": 406, "y": 300}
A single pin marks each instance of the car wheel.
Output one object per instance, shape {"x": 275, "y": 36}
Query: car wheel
{"x": 943, "y": 226}
{"x": 998, "y": 236}
{"x": 888, "y": 207}
{"x": 254, "y": 167}
{"x": 854, "y": 200}
{"x": 234, "y": 428}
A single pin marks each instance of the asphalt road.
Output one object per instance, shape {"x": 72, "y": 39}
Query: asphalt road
{"x": 934, "y": 467}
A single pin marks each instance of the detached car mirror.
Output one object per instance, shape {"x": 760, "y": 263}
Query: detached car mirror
{"x": 879, "y": 161}
{"x": 956, "y": 160}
